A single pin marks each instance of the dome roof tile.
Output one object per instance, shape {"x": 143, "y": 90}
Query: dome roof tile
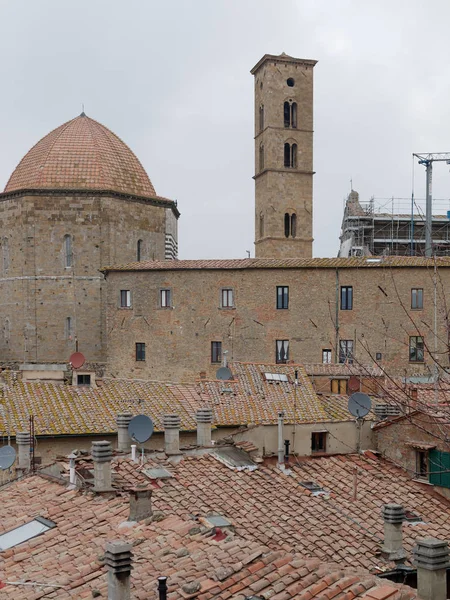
{"x": 81, "y": 154}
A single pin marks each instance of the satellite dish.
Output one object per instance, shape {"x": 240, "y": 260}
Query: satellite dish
{"x": 7, "y": 457}
{"x": 224, "y": 373}
{"x": 354, "y": 384}
{"x": 77, "y": 360}
{"x": 140, "y": 428}
{"x": 359, "y": 405}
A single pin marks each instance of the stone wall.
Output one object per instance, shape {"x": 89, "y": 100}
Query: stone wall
{"x": 178, "y": 339}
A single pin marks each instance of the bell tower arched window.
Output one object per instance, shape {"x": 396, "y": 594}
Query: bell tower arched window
{"x": 290, "y": 114}
{"x": 261, "y": 225}
{"x": 261, "y": 157}
{"x": 261, "y": 117}
{"x": 290, "y": 156}
{"x": 68, "y": 251}
{"x": 140, "y": 245}
{"x": 290, "y": 225}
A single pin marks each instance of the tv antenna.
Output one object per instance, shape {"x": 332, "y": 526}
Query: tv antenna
{"x": 7, "y": 457}
{"x": 140, "y": 429}
{"x": 224, "y": 373}
{"x": 77, "y": 360}
{"x": 359, "y": 405}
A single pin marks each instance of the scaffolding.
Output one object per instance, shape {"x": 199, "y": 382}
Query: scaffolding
{"x": 393, "y": 226}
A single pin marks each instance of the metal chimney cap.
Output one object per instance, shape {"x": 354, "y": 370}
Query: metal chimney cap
{"x": 118, "y": 557}
{"x": 393, "y": 513}
{"x": 101, "y": 451}
{"x": 123, "y": 419}
{"x": 171, "y": 421}
{"x": 204, "y": 415}
{"x": 23, "y": 437}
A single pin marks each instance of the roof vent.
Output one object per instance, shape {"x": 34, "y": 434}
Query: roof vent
{"x": 385, "y": 411}
{"x": 413, "y": 518}
{"x": 313, "y": 487}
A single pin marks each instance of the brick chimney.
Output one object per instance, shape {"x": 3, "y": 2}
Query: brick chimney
{"x": 204, "y": 420}
{"x": 140, "y": 503}
{"x": 171, "y": 434}
{"x": 23, "y": 447}
{"x": 118, "y": 559}
{"x": 123, "y": 439}
{"x": 392, "y": 549}
{"x": 101, "y": 456}
{"x": 431, "y": 557}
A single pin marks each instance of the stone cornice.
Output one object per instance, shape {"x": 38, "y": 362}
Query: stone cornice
{"x": 286, "y": 170}
{"x": 154, "y": 201}
{"x": 283, "y": 58}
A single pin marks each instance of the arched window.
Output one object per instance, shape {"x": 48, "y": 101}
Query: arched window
{"x": 294, "y": 115}
{"x": 68, "y": 332}
{"x": 261, "y": 157}
{"x": 261, "y": 117}
{"x": 293, "y": 225}
{"x": 287, "y": 224}
{"x": 294, "y": 156}
{"x": 5, "y": 250}
{"x": 261, "y": 225}
{"x": 140, "y": 245}
{"x": 68, "y": 252}
{"x": 287, "y": 155}
{"x": 287, "y": 114}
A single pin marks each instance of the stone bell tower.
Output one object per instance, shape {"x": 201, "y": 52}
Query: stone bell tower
{"x": 283, "y": 156}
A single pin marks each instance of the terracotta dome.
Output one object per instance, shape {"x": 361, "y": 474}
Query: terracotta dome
{"x": 81, "y": 154}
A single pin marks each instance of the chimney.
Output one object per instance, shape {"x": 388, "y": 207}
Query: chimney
{"x": 123, "y": 439}
{"x": 431, "y": 558}
{"x": 102, "y": 455}
{"x": 140, "y": 503}
{"x": 23, "y": 446}
{"x": 118, "y": 559}
{"x": 204, "y": 420}
{"x": 171, "y": 434}
{"x": 392, "y": 549}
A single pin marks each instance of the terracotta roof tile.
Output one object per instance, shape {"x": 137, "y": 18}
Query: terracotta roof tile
{"x": 81, "y": 154}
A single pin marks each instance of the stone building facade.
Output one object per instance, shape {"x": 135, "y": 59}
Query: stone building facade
{"x": 185, "y": 315}
{"x": 79, "y": 199}
{"x": 283, "y": 156}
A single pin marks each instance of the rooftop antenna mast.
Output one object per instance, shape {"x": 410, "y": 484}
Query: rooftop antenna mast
{"x": 427, "y": 161}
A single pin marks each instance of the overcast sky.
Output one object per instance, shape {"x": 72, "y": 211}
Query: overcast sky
{"x": 171, "y": 78}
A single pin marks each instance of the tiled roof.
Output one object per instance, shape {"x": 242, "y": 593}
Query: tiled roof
{"x": 338, "y": 369}
{"x": 197, "y": 563}
{"x": 284, "y": 263}
{"x": 81, "y": 154}
{"x": 69, "y": 410}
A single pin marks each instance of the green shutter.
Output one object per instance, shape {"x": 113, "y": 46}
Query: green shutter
{"x": 439, "y": 467}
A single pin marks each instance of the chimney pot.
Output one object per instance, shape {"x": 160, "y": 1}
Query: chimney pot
{"x": 140, "y": 503}
{"x": 23, "y": 446}
{"x": 123, "y": 439}
{"x": 118, "y": 560}
{"x": 171, "y": 425}
{"x": 392, "y": 549}
{"x": 431, "y": 557}
{"x": 101, "y": 456}
{"x": 204, "y": 419}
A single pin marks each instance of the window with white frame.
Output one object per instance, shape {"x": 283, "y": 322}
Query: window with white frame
{"x": 227, "y": 298}
{"x": 165, "y": 298}
{"x": 125, "y": 299}
{"x": 346, "y": 351}
{"x": 326, "y": 356}
{"x": 282, "y": 351}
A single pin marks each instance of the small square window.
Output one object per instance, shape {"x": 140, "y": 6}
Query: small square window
{"x": 378, "y": 356}
{"x": 319, "y": 441}
{"x": 140, "y": 351}
{"x": 165, "y": 298}
{"x": 346, "y": 351}
{"x": 346, "y": 298}
{"x": 282, "y": 351}
{"x": 216, "y": 352}
{"x": 282, "y": 296}
{"x": 417, "y": 298}
{"x": 83, "y": 379}
{"x": 416, "y": 349}
{"x": 125, "y": 299}
{"x": 339, "y": 386}
{"x": 326, "y": 356}
{"x": 227, "y": 298}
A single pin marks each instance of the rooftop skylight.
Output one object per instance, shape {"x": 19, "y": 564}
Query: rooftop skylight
{"x": 23, "y": 533}
{"x": 276, "y": 377}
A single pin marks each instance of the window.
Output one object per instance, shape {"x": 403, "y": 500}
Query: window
{"x": 216, "y": 352}
{"x": 23, "y": 533}
{"x": 125, "y": 299}
{"x": 261, "y": 157}
{"x": 293, "y": 225}
{"x": 422, "y": 464}
{"x": 282, "y": 351}
{"x": 139, "y": 250}
{"x": 290, "y": 225}
{"x": 261, "y": 225}
{"x": 261, "y": 117}
{"x": 226, "y": 298}
{"x": 84, "y": 379}
{"x": 290, "y": 155}
{"x": 290, "y": 82}
{"x": 417, "y": 298}
{"x": 319, "y": 441}
{"x": 346, "y": 298}
{"x": 282, "y": 296}
{"x": 140, "y": 351}
{"x": 326, "y": 356}
{"x": 416, "y": 348}
{"x": 68, "y": 252}
{"x": 339, "y": 386}
{"x": 346, "y": 351}
{"x": 165, "y": 298}
{"x": 68, "y": 330}
{"x": 290, "y": 114}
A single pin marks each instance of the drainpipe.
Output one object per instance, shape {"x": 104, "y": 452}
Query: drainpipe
{"x": 336, "y": 326}
{"x": 118, "y": 559}
{"x": 280, "y": 437}
{"x": 162, "y": 588}
{"x": 431, "y": 557}
{"x": 123, "y": 439}
{"x": 133, "y": 452}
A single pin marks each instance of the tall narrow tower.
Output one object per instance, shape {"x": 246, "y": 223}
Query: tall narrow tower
{"x": 283, "y": 156}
